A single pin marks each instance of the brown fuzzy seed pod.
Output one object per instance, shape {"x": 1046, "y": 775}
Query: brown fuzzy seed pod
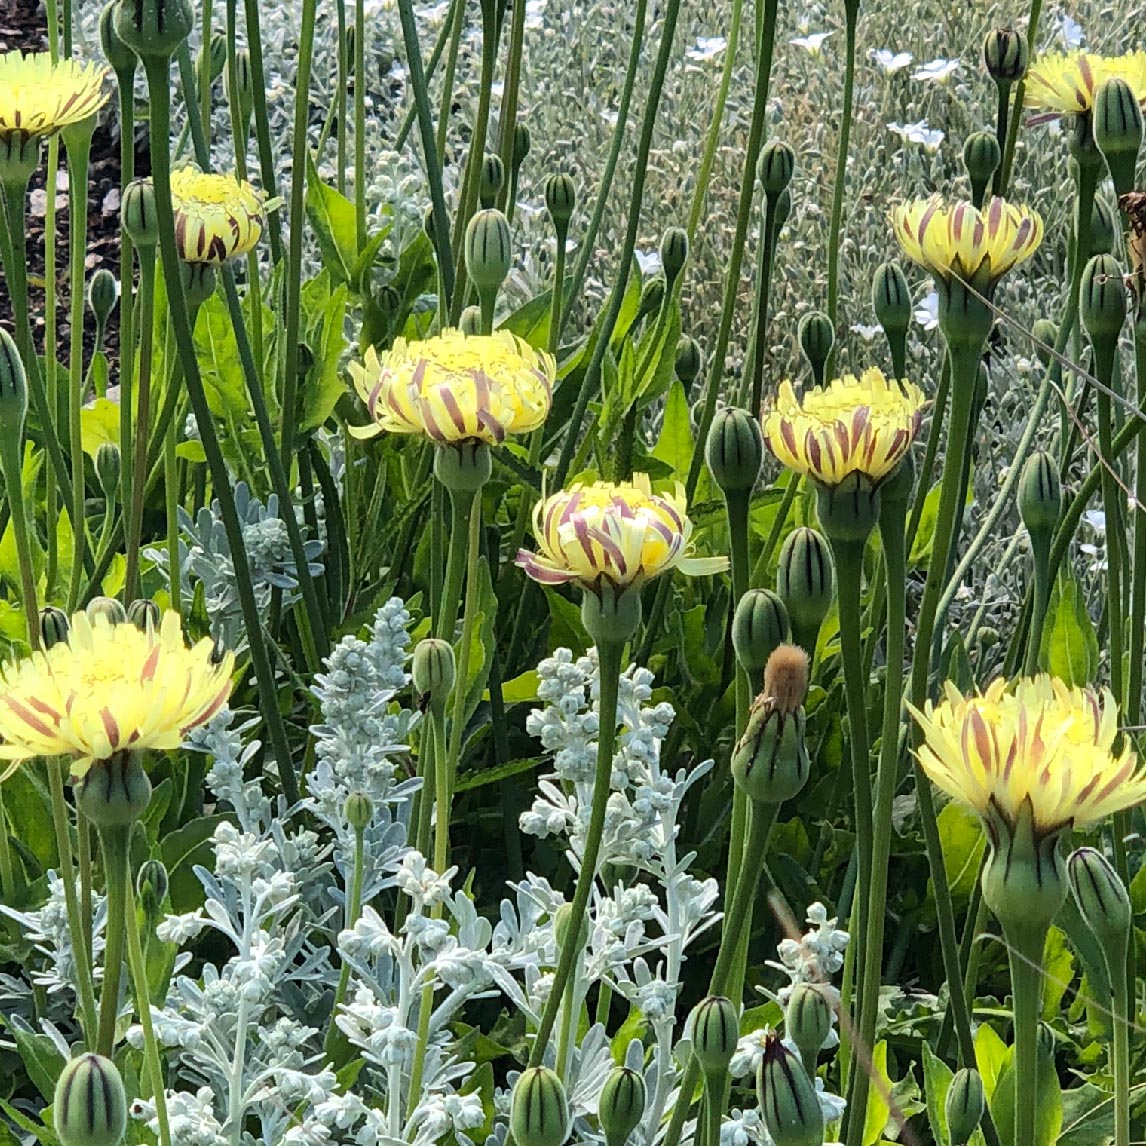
{"x": 786, "y": 678}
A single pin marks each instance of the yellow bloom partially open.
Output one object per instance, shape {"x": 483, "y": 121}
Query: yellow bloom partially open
{"x": 38, "y": 97}
{"x": 957, "y": 239}
{"x": 1034, "y": 739}
{"x": 109, "y": 688}
{"x": 853, "y": 425}
{"x": 217, "y": 217}
{"x": 1065, "y": 83}
{"x": 456, "y": 387}
{"x": 624, "y": 534}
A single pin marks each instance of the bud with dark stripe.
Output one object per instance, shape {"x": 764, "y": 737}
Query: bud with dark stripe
{"x": 89, "y": 1107}
{"x": 13, "y": 393}
{"x": 788, "y": 1102}
{"x": 539, "y": 1110}
{"x": 54, "y": 626}
{"x": 143, "y": 613}
{"x": 674, "y": 253}
{"x": 775, "y": 167}
{"x": 434, "y": 671}
{"x": 138, "y": 215}
{"x": 114, "y": 792}
{"x": 1118, "y": 131}
{"x": 492, "y": 179}
{"x": 108, "y": 608}
{"x": 759, "y": 625}
{"x": 122, "y": 59}
{"x": 715, "y": 1030}
{"x": 981, "y": 156}
{"x": 243, "y": 98}
{"x": 217, "y": 59}
{"x": 891, "y": 301}
{"x": 1103, "y": 228}
{"x": 817, "y": 337}
{"x": 1102, "y": 902}
{"x": 560, "y": 200}
{"x": 734, "y": 450}
{"x": 107, "y": 467}
{"x": 622, "y": 1105}
{"x": 1102, "y": 299}
{"x": 151, "y": 885}
{"x": 488, "y": 249}
{"x": 964, "y": 1105}
{"x": 1040, "y": 494}
{"x": 522, "y": 144}
{"x": 153, "y": 28}
{"x": 1006, "y": 54}
{"x": 689, "y": 361}
{"x": 805, "y": 580}
{"x": 470, "y": 320}
{"x": 808, "y": 1021}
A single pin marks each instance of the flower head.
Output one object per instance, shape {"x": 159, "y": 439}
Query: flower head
{"x": 977, "y": 246}
{"x": 217, "y": 217}
{"x": 39, "y": 97}
{"x": 1035, "y": 740}
{"x": 853, "y": 425}
{"x": 109, "y": 688}
{"x": 456, "y": 387}
{"x": 1066, "y": 83}
{"x": 624, "y": 534}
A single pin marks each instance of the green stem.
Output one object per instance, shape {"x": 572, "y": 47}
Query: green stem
{"x": 1002, "y": 121}
{"x": 171, "y": 508}
{"x": 139, "y": 466}
{"x": 1104, "y": 356}
{"x": 1121, "y": 1017}
{"x": 11, "y": 458}
{"x": 353, "y": 910}
{"x": 507, "y": 122}
{"x": 360, "y": 122}
{"x": 1025, "y": 947}
{"x": 113, "y": 842}
{"x": 262, "y": 121}
{"x": 205, "y": 68}
{"x": 1040, "y": 553}
{"x": 456, "y": 25}
{"x": 460, "y": 503}
{"x": 755, "y": 377}
{"x": 51, "y": 362}
{"x": 127, "y": 320}
{"x": 1138, "y": 566}
{"x": 1003, "y": 175}
{"x": 714, "y": 1087}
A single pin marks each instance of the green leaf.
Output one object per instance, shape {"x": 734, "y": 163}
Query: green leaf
{"x": 1058, "y": 972}
{"x": 522, "y": 689}
{"x": 99, "y": 425}
{"x": 1087, "y": 1117}
{"x": 41, "y": 1058}
{"x": 180, "y": 850}
{"x": 674, "y": 447}
{"x": 28, "y": 804}
{"x": 877, "y": 1107}
{"x": 961, "y": 835}
{"x": 1048, "y": 1108}
{"x": 937, "y": 1076}
{"x": 925, "y": 534}
{"x": 191, "y": 451}
{"x": 1069, "y": 647}
{"x": 990, "y": 1051}
{"x": 333, "y": 219}
{"x": 325, "y": 323}
{"x": 481, "y": 778}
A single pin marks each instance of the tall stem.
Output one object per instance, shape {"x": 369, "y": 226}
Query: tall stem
{"x": 507, "y": 122}
{"x": 1105, "y": 352}
{"x": 1003, "y": 175}
{"x": 353, "y": 910}
{"x": 1121, "y": 1017}
{"x": 360, "y": 122}
{"x": 262, "y": 121}
{"x": 113, "y": 843}
{"x": 1026, "y": 958}
{"x": 460, "y": 502}
{"x": 138, "y": 444}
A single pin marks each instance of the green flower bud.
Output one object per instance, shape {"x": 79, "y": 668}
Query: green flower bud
{"x": 808, "y": 1021}
{"x": 470, "y": 320}
{"x": 198, "y": 283}
{"x": 805, "y": 579}
{"x": 981, "y": 156}
{"x": 107, "y": 607}
{"x": 89, "y": 1107}
{"x": 1006, "y": 55}
{"x": 988, "y": 636}
{"x": 1046, "y": 332}
{"x": 492, "y": 178}
{"x": 151, "y": 889}
{"x": 734, "y": 450}
{"x": 782, "y": 210}
{"x": 114, "y": 792}
{"x": 560, "y": 199}
{"x": 965, "y": 1104}
{"x": 1118, "y": 131}
{"x": 13, "y": 393}
{"x": 674, "y": 253}
{"x": 358, "y": 810}
{"x": 1040, "y": 494}
{"x": 715, "y": 1028}
{"x": 244, "y": 98}
{"x": 144, "y": 614}
{"x": 107, "y": 467}
{"x": 539, "y": 1111}
{"x": 891, "y": 298}
{"x": 775, "y": 167}
{"x": 103, "y": 292}
{"x": 54, "y": 626}
{"x": 1103, "y": 228}
{"x": 652, "y": 297}
{"x": 137, "y": 213}
{"x": 622, "y": 1104}
{"x": 1102, "y": 902}
{"x": 759, "y": 625}
{"x": 522, "y": 144}
{"x": 153, "y": 28}
{"x": 689, "y": 361}
{"x": 1024, "y": 879}
{"x": 434, "y": 670}
{"x": 119, "y": 56}
{"x": 218, "y": 56}
{"x": 1102, "y": 298}
{"x": 562, "y": 922}
{"x": 788, "y": 1102}
{"x": 817, "y": 337}
{"x": 489, "y": 252}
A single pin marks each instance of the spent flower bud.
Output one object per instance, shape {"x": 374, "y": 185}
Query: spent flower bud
{"x": 89, "y": 1106}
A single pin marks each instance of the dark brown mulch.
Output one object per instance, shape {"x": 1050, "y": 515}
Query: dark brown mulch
{"x": 23, "y": 27}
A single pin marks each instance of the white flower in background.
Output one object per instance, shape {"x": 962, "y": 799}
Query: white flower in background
{"x": 815, "y": 956}
{"x": 937, "y": 71}
{"x": 648, "y": 261}
{"x": 867, "y": 333}
{"x": 706, "y": 48}
{"x": 535, "y": 14}
{"x": 1070, "y": 32}
{"x": 813, "y": 43}
{"x": 919, "y": 132}
{"x": 926, "y": 311}
{"x": 889, "y": 61}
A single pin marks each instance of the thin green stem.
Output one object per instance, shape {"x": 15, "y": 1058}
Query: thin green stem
{"x": 262, "y": 121}
{"x": 755, "y": 377}
{"x": 11, "y": 458}
{"x": 930, "y": 452}
{"x": 451, "y": 599}
{"x": 1026, "y": 959}
{"x": 171, "y": 513}
{"x": 1003, "y": 175}
{"x": 138, "y": 444}
{"x": 205, "y": 68}
{"x": 1138, "y": 565}
{"x": 342, "y": 82}
{"x": 113, "y": 843}
{"x": 126, "y": 317}
{"x": 360, "y": 122}
{"x": 456, "y": 25}
{"x": 1040, "y": 553}
{"x": 353, "y": 910}
{"x": 51, "y": 362}
{"x": 1120, "y": 1052}
{"x": 507, "y": 123}
{"x": 1112, "y": 501}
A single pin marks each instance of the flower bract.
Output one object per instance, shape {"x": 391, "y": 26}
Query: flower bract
{"x": 217, "y": 217}
{"x": 39, "y": 97}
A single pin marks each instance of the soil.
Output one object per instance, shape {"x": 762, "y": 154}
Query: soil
{"x": 23, "y": 27}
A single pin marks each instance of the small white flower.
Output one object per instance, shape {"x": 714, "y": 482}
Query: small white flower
{"x": 867, "y": 333}
{"x": 891, "y": 62}
{"x": 937, "y": 71}
{"x": 926, "y": 313}
{"x": 706, "y": 48}
{"x": 535, "y": 14}
{"x": 918, "y": 132}
{"x": 648, "y": 261}
{"x": 1096, "y": 519}
{"x": 813, "y": 43}
{"x": 1070, "y": 31}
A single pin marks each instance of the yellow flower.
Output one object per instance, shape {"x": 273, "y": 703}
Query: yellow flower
{"x": 217, "y": 217}
{"x": 38, "y": 97}
{"x": 109, "y": 688}
{"x": 624, "y": 534}
{"x": 1067, "y": 83}
{"x": 1035, "y": 740}
{"x": 456, "y": 387}
{"x": 978, "y": 247}
{"x": 852, "y": 426}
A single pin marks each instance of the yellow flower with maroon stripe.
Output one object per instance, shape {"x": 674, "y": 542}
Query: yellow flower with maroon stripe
{"x": 38, "y": 97}
{"x": 851, "y": 426}
{"x": 456, "y": 387}
{"x": 1035, "y": 740}
{"x": 109, "y": 688}
{"x": 217, "y": 217}
{"x": 1066, "y": 83}
{"x": 621, "y": 533}
{"x": 958, "y": 240}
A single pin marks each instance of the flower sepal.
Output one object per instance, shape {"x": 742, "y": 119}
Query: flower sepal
{"x": 850, "y": 510}
{"x": 610, "y": 613}
{"x": 153, "y": 29}
{"x": 114, "y": 792}
{"x": 463, "y": 467}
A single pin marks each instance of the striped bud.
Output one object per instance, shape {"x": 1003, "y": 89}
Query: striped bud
{"x": 492, "y": 178}
{"x": 108, "y": 608}
{"x": 622, "y": 1104}
{"x": 89, "y": 1107}
{"x": 562, "y": 922}
{"x": 198, "y": 283}
{"x": 981, "y": 156}
{"x": 715, "y": 1028}
{"x": 1102, "y": 298}
{"x": 788, "y": 1102}
{"x": 54, "y": 626}
{"x": 217, "y": 60}
{"x": 652, "y": 298}
{"x": 103, "y": 293}
{"x": 539, "y": 1111}
{"x": 489, "y": 251}
{"x": 107, "y": 467}
{"x": 808, "y": 1021}
{"x": 143, "y": 613}
{"x": 1046, "y": 333}
{"x": 805, "y": 582}
{"x": 1040, "y": 494}
{"x": 151, "y": 884}
{"x": 463, "y": 466}
{"x": 114, "y": 792}
{"x": 689, "y": 361}
{"x": 775, "y": 167}
{"x": 153, "y": 28}
{"x": 1103, "y": 228}
{"x": 358, "y": 810}
{"x": 770, "y": 761}
{"x": 522, "y": 144}
{"x": 674, "y": 253}
{"x": 244, "y": 97}
{"x": 470, "y": 320}
{"x": 759, "y": 624}
{"x": 137, "y": 213}
{"x": 434, "y": 670}
{"x": 964, "y": 1106}
{"x": 734, "y": 450}
{"x": 1118, "y": 131}
{"x": 817, "y": 337}
{"x": 891, "y": 298}
{"x": 1006, "y": 54}
{"x": 121, "y": 58}
{"x": 560, "y": 199}
{"x": 1102, "y": 902}
{"x": 782, "y": 210}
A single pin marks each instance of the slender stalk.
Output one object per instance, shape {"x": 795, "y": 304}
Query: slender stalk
{"x": 431, "y": 67}
{"x": 205, "y": 68}
{"x": 1120, "y": 1052}
{"x": 51, "y": 362}
{"x": 451, "y": 599}
{"x": 755, "y": 377}
{"x": 113, "y": 843}
{"x": 456, "y": 25}
{"x": 353, "y": 911}
{"x": 139, "y": 465}
{"x": 507, "y": 122}
{"x": 11, "y": 459}
{"x": 262, "y": 121}
{"x": 1040, "y": 552}
{"x": 171, "y": 513}
{"x": 930, "y": 451}
{"x": 342, "y": 82}
{"x": 1003, "y": 175}
{"x": 1026, "y": 959}
{"x": 1105, "y": 353}
{"x": 126, "y": 317}
{"x": 1138, "y": 566}
{"x": 360, "y": 122}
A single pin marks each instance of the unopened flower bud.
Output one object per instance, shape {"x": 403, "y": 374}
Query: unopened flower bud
{"x": 808, "y": 1021}
{"x": 622, "y": 1104}
{"x": 759, "y": 625}
{"x": 144, "y": 614}
{"x": 560, "y": 199}
{"x": 734, "y": 450}
{"x": 138, "y": 215}
{"x": 154, "y": 28}
{"x": 689, "y": 361}
{"x": 782, "y": 210}
{"x": 539, "y": 1111}
{"x": 492, "y": 179}
{"x": 965, "y": 1104}
{"x": 114, "y": 792}
{"x": 1102, "y": 298}
{"x": 1046, "y": 335}
{"x": 244, "y": 97}
{"x": 434, "y": 669}
{"x": 358, "y": 810}
{"x": 1118, "y": 131}
{"x": 981, "y": 157}
{"x": 674, "y": 253}
{"x": 89, "y": 1107}
{"x": 470, "y": 320}
{"x": 1102, "y": 902}
{"x": 715, "y": 1028}
{"x": 118, "y": 55}
{"x": 13, "y": 391}
{"x": 788, "y": 1102}
{"x": 563, "y": 920}
{"x": 151, "y": 889}
{"x": 652, "y": 297}
{"x": 775, "y": 167}
{"x": 107, "y": 467}
{"x": 103, "y": 291}
{"x": 1006, "y": 54}
{"x": 54, "y": 626}
{"x": 817, "y": 337}
{"x": 891, "y": 298}
{"x": 1103, "y": 228}
{"x": 108, "y": 608}
{"x": 489, "y": 251}
{"x": 805, "y": 579}
{"x": 1040, "y": 494}
{"x": 218, "y": 56}
{"x": 522, "y": 144}
{"x": 1024, "y": 879}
